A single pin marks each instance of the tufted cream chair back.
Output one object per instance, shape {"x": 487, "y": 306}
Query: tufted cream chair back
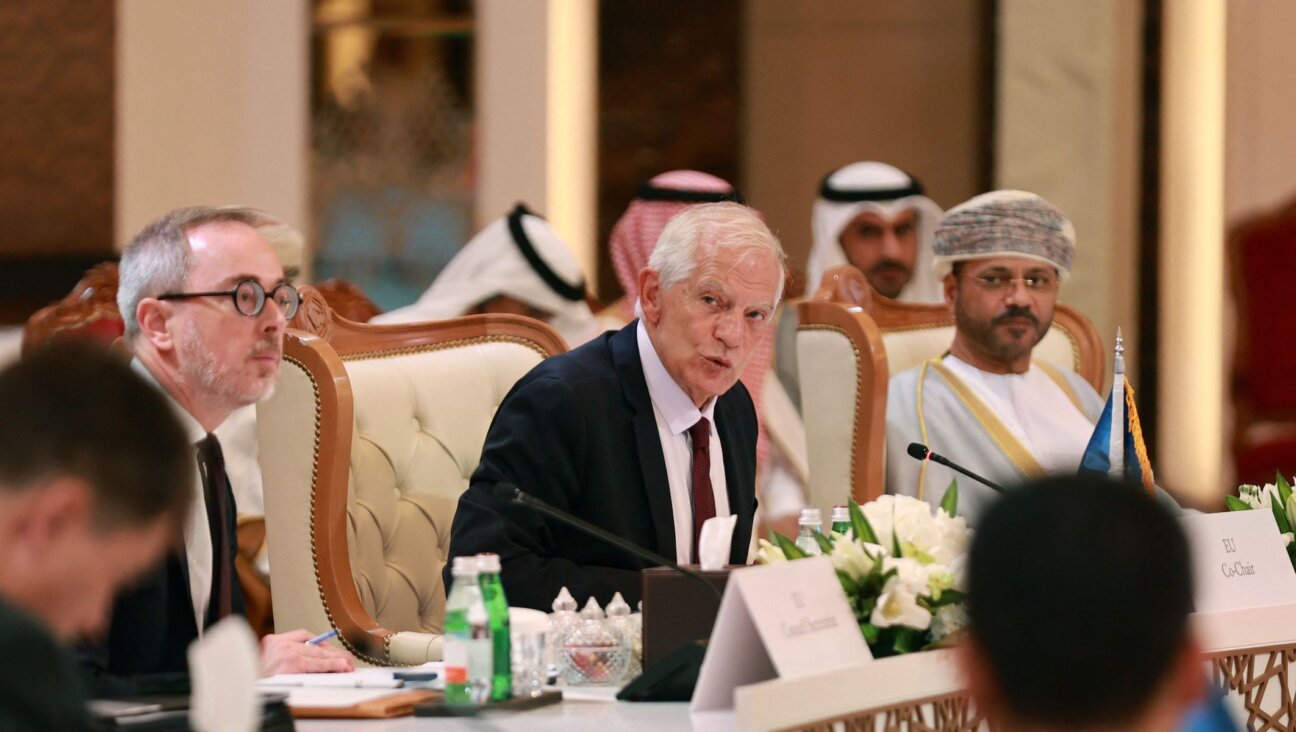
{"x": 849, "y": 341}
{"x": 370, "y": 438}
{"x": 843, "y": 376}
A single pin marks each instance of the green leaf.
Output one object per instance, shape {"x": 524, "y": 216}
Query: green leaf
{"x": 949, "y": 502}
{"x": 908, "y": 640}
{"x": 947, "y": 597}
{"x": 1281, "y": 517}
{"x": 1236, "y": 504}
{"x": 895, "y": 540}
{"x": 1284, "y": 488}
{"x": 789, "y": 547}
{"x": 849, "y": 585}
{"x": 870, "y": 632}
{"x": 860, "y": 524}
{"x": 825, "y": 543}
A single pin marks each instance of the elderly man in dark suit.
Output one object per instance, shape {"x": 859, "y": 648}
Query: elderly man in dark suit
{"x": 645, "y": 432}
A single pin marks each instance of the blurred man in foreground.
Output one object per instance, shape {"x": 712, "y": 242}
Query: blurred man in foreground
{"x": 95, "y": 479}
{"x": 1079, "y": 592}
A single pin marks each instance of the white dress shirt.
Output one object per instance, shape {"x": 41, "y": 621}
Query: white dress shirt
{"x": 676, "y": 413}
{"x": 1035, "y": 410}
{"x": 197, "y": 535}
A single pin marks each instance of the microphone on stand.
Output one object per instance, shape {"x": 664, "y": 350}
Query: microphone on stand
{"x": 510, "y": 492}
{"x": 919, "y": 451}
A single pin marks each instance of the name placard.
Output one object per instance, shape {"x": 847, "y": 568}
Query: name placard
{"x": 1239, "y": 561}
{"x": 781, "y": 620}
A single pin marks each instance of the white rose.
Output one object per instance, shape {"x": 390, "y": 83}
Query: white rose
{"x": 955, "y": 536}
{"x": 880, "y": 513}
{"x": 914, "y": 526}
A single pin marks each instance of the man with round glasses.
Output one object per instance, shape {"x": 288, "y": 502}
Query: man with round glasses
{"x": 205, "y": 304}
{"x": 986, "y": 404}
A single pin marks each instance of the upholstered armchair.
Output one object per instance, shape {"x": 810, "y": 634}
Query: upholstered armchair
{"x": 89, "y": 311}
{"x": 366, "y": 445}
{"x": 851, "y": 340}
{"x": 1260, "y": 257}
{"x": 843, "y": 374}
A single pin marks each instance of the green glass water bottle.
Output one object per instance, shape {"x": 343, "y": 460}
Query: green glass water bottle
{"x": 497, "y": 613}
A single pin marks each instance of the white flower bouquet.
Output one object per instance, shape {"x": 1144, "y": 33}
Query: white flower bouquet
{"x": 1275, "y": 497}
{"x": 902, "y": 570}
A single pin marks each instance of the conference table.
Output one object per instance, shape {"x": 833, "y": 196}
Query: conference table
{"x": 568, "y": 716}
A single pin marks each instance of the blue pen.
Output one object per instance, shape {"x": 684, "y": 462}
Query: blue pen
{"x": 322, "y": 637}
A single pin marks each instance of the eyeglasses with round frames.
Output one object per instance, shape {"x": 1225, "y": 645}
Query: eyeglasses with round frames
{"x": 250, "y": 298}
{"x": 997, "y": 283}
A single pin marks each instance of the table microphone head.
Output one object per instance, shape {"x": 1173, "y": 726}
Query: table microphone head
{"x": 507, "y": 492}
{"x": 918, "y": 451}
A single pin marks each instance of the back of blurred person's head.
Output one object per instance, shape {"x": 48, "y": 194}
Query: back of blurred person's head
{"x": 1079, "y": 595}
{"x": 95, "y": 477}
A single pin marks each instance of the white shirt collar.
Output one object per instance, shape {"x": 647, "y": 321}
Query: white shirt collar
{"x": 194, "y": 432}
{"x": 675, "y": 406}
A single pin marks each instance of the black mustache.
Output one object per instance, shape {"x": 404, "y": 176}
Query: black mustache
{"x": 888, "y": 265}
{"x": 1016, "y": 312}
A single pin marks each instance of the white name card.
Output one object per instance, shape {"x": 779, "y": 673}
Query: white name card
{"x": 780, "y": 620}
{"x": 1239, "y": 561}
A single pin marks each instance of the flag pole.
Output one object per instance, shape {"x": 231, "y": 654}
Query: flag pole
{"x": 1116, "y": 447}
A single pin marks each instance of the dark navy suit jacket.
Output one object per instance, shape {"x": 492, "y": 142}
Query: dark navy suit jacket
{"x": 578, "y": 432}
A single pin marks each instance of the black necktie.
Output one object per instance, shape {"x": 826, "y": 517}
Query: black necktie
{"x": 216, "y": 493}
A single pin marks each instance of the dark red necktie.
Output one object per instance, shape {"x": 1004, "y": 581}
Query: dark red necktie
{"x": 703, "y": 495}
{"x": 216, "y": 492}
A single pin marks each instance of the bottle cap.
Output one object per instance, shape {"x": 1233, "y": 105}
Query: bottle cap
{"x": 464, "y": 567}
{"x": 840, "y": 513}
{"x": 488, "y": 563}
{"x": 810, "y": 516}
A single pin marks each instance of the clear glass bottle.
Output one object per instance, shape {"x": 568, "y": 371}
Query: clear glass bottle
{"x": 811, "y": 520}
{"x": 841, "y": 522}
{"x": 466, "y": 645}
{"x": 497, "y": 614}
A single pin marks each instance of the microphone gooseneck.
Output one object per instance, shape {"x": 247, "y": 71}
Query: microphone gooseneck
{"x": 919, "y": 451}
{"x": 510, "y": 492}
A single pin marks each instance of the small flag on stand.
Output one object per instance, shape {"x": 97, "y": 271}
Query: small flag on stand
{"x": 1116, "y": 448}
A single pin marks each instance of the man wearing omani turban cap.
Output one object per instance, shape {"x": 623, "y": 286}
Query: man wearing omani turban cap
{"x": 1002, "y": 257}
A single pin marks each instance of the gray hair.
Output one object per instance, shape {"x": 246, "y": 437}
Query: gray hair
{"x": 725, "y": 224}
{"x": 158, "y": 259}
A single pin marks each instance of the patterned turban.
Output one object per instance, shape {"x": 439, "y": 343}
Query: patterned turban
{"x": 635, "y": 234}
{"x": 1004, "y": 223}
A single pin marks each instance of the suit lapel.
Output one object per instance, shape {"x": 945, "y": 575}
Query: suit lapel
{"x": 739, "y": 479}
{"x": 625, "y": 354}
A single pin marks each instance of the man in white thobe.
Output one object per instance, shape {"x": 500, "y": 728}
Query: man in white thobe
{"x": 516, "y": 265}
{"x": 986, "y": 404}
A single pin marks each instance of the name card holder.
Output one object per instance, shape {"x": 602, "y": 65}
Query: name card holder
{"x": 788, "y": 620}
{"x": 1239, "y": 561}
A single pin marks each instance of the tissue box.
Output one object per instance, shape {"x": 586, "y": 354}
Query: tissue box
{"x": 677, "y": 609}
